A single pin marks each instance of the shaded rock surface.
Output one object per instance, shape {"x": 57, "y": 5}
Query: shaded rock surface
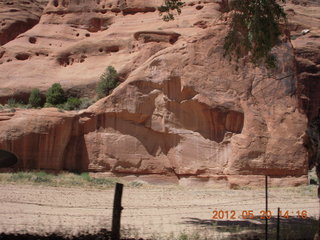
{"x": 304, "y": 16}
{"x": 182, "y": 110}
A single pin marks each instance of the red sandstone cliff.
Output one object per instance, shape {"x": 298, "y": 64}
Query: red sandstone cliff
{"x": 183, "y": 109}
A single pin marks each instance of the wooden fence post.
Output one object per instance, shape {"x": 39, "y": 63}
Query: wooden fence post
{"x": 266, "y": 189}
{"x": 278, "y": 225}
{"x": 116, "y": 216}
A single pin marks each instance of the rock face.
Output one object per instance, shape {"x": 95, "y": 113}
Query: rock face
{"x": 17, "y": 17}
{"x": 182, "y": 111}
{"x": 305, "y": 22}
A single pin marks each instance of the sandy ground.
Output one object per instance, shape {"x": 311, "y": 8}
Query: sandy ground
{"x": 148, "y": 211}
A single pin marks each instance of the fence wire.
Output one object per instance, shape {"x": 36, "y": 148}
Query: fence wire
{"x": 150, "y": 219}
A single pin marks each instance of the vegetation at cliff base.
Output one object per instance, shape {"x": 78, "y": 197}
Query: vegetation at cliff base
{"x": 35, "y": 98}
{"x": 64, "y": 179}
{"x": 108, "y": 81}
{"x": 12, "y": 103}
{"x": 72, "y": 103}
{"x": 55, "y": 94}
{"x": 57, "y": 180}
{"x": 55, "y": 97}
{"x": 58, "y": 98}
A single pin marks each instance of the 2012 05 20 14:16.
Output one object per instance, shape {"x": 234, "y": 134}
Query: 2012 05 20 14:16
{"x": 249, "y": 214}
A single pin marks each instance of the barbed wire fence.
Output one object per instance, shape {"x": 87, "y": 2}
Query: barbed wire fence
{"x": 148, "y": 220}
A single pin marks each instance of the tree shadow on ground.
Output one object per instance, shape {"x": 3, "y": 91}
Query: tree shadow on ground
{"x": 103, "y": 234}
{"x": 292, "y": 228}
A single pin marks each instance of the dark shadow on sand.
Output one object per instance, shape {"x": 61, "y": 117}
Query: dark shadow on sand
{"x": 292, "y": 228}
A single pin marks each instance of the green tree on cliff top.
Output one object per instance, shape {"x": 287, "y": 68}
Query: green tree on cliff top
{"x": 254, "y": 28}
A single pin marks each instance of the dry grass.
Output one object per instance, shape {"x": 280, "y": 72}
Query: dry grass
{"x": 57, "y": 180}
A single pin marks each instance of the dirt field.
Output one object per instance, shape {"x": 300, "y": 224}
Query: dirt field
{"x": 149, "y": 211}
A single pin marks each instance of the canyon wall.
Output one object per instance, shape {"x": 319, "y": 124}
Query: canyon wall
{"x": 183, "y": 111}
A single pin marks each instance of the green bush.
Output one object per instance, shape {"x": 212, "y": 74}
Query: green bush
{"x": 97, "y": 181}
{"x": 20, "y": 176}
{"x": 85, "y": 176}
{"x": 108, "y": 81}
{"x": 55, "y": 94}
{"x": 33, "y": 177}
{"x": 72, "y": 103}
{"x": 48, "y": 105}
{"x": 167, "y": 9}
{"x": 35, "y": 98}
{"x": 12, "y": 103}
{"x": 86, "y": 102}
{"x": 42, "y": 177}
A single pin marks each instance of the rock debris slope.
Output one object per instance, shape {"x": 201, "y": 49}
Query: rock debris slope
{"x": 182, "y": 112}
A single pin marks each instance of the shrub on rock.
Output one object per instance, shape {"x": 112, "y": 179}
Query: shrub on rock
{"x": 108, "y": 81}
{"x": 55, "y": 94}
{"x": 35, "y": 98}
{"x": 72, "y": 103}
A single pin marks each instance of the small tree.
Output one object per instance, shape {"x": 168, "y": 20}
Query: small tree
{"x": 35, "y": 98}
{"x": 255, "y": 28}
{"x": 108, "y": 81}
{"x": 72, "y": 103}
{"x": 167, "y": 9}
{"x": 55, "y": 94}
{"x": 12, "y": 103}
